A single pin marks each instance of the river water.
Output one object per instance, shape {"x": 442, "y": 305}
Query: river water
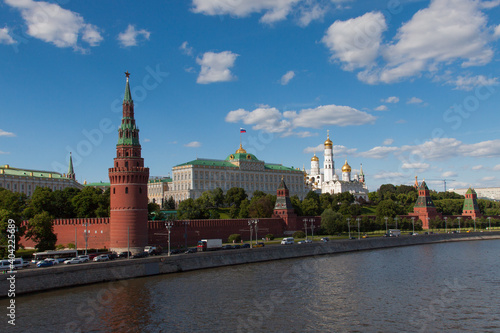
{"x": 452, "y": 287}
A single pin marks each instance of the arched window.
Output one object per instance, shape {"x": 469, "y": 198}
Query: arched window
{"x": 113, "y": 190}
{"x": 126, "y": 190}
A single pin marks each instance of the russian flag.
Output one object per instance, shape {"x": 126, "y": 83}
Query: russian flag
{"x": 242, "y": 130}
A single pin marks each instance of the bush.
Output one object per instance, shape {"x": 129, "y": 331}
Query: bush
{"x": 299, "y": 234}
{"x": 234, "y": 238}
{"x": 70, "y": 246}
{"x": 270, "y": 236}
{"x": 60, "y": 247}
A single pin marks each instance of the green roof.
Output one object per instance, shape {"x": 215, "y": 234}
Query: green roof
{"x": 128, "y": 95}
{"x": 162, "y": 180}
{"x": 242, "y": 156}
{"x": 7, "y": 170}
{"x": 99, "y": 184}
{"x": 279, "y": 167}
{"x": 207, "y": 162}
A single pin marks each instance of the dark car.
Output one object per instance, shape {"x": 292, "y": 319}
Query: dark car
{"x": 112, "y": 256}
{"x": 245, "y": 246}
{"x": 175, "y": 251}
{"x": 125, "y": 254}
{"x": 227, "y": 247}
{"x": 140, "y": 255}
{"x": 237, "y": 246}
{"x": 45, "y": 263}
{"x": 191, "y": 250}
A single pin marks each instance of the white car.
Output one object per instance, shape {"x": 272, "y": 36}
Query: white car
{"x": 54, "y": 261}
{"x": 84, "y": 258}
{"x": 75, "y": 260}
{"x": 102, "y": 257}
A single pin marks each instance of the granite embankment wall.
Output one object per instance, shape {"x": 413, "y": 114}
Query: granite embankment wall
{"x": 67, "y": 276}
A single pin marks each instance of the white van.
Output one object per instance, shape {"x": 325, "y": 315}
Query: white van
{"x": 287, "y": 241}
{"x": 18, "y": 263}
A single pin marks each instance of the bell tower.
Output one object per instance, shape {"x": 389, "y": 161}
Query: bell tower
{"x": 128, "y": 223}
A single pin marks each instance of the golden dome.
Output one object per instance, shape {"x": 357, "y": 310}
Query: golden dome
{"x": 346, "y": 167}
{"x": 241, "y": 150}
{"x": 328, "y": 142}
{"x": 314, "y": 158}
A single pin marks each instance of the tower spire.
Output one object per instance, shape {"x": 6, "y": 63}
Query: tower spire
{"x": 71, "y": 172}
{"x": 128, "y": 133}
{"x": 128, "y": 96}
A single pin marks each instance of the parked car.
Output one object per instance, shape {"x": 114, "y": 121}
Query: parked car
{"x": 287, "y": 241}
{"x": 84, "y": 258}
{"x": 175, "y": 251}
{"x": 301, "y": 242}
{"x": 125, "y": 254}
{"x": 45, "y": 263}
{"x": 259, "y": 244}
{"x": 74, "y": 260}
{"x": 54, "y": 261}
{"x": 237, "y": 246}
{"x": 191, "y": 250}
{"x": 414, "y": 233}
{"x": 102, "y": 257}
{"x": 140, "y": 255}
{"x": 227, "y": 247}
{"x": 247, "y": 246}
{"x": 325, "y": 239}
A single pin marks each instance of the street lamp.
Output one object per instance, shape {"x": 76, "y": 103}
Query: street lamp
{"x": 489, "y": 223}
{"x": 385, "y": 225}
{"x": 312, "y": 229}
{"x": 445, "y": 224}
{"x": 359, "y": 235}
{"x": 458, "y": 218}
{"x": 396, "y": 219}
{"x": 168, "y": 225}
{"x": 413, "y": 223}
{"x": 256, "y": 231}
{"x": 349, "y": 227}
{"x": 86, "y": 237}
{"x": 474, "y": 224}
{"x": 305, "y": 226}
{"x": 250, "y": 227}
{"x": 185, "y": 233}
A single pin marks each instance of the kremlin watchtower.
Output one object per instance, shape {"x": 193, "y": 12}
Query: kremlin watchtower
{"x": 128, "y": 180}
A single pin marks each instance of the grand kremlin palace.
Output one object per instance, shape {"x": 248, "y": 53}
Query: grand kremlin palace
{"x": 241, "y": 169}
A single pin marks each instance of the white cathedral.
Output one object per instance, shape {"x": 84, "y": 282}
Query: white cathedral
{"x": 329, "y": 182}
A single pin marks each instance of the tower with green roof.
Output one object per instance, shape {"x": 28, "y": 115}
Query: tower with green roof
{"x": 471, "y": 208}
{"x": 424, "y": 208}
{"x": 128, "y": 185}
{"x": 283, "y": 207}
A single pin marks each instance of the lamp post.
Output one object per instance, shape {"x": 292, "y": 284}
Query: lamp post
{"x": 413, "y": 223}
{"x": 168, "y": 225}
{"x": 359, "y": 234}
{"x": 489, "y": 223}
{"x": 445, "y": 224}
{"x": 256, "y": 230}
{"x": 250, "y": 227}
{"x": 305, "y": 226}
{"x": 312, "y": 229}
{"x": 349, "y": 227}
{"x": 385, "y": 225}
{"x": 474, "y": 224}
{"x": 86, "y": 237}
{"x": 396, "y": 219}
{"x": 458, "y": 218}
{"x": 185, "y": 233}
{"x": 76, "y": 240}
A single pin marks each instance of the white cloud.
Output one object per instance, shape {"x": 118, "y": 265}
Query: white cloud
{"x": 356, "y": 42}
{"x": 194, "y": 144}
{"x": 379, "y": 152}
{"x": 215, "y": 67}
{"x": 271, "y": 120}
{"x": 389, "y": 175}
{"x": 53, "y": 24}
{"x": 339, "y": 150}
{"x": 391, "y": 99}
{"x": 448, "y": 174}
{"x": 130, "y": 36}
{"x": 5, "y": 133}
{"x": 470, "y": 82}
{"x": 381, "y": 108}
{"x": 418, "y": 166}
{"x": 496, "y": 167}
{"x": 146, "y": 140}
{"x": 414, "y": 100}
{"x": 5, "y": 37}
{"x": 497, "y": 31}
{"x": 311, "y": 11}
{"x": 489, "y": 4}
{"x": 433, "y": 38}
{"x": 477, "y": 167}
{"x": 287, "y": 77}
{"x": 487, "y": 178}
{"x": 401, "y": 121}
{"x": 186, "y": 49}
{"x": 388, "y": 142}
{"x": 318, "y": 148}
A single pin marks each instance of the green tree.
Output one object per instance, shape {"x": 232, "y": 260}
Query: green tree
{"x": 297, "y": 205}
{"x": 62, "y": 203}
{"x": 91, "y": 202}
{"x": 388, "y": 208}
{"x": 332, "y": 222}
{"x": 261, "y": 207}
{"x": 310, "y": 206}
{"x": 189, "y": 210}
{"x": 41, "y": 231}
{"x": 170, "y": 205}
{"x": 234, "y": 196}
{"x": 244, "y": 209}
{"x": 42, "y": 200}
{"x": 153, "y": 211}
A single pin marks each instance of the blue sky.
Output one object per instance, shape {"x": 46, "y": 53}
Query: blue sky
{"x": 405, "y": 87}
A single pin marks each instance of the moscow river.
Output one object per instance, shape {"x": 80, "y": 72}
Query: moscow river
{"x": 451, "y": 287}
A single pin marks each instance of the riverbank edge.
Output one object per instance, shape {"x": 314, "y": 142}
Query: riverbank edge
{"x": 31, "y": 281}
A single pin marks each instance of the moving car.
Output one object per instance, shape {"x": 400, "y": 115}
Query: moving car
{"x": 84, "y": 258}
{"x": 74, "y": 260}
{"x": 259, "y": 244}
{"x": 325, "y": 239}
{"x": 45, "y": 263}
{"x": 287, "y": 241}
{"x": 125, "y": 254}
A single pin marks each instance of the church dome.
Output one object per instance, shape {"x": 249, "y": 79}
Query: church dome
{"x": 314, "y": 158}
{"x": 241, "y": 150}
{"x": 346, "y": 167}
{"x": 328, "y": 142}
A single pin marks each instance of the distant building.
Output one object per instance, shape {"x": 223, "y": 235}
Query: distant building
{"x": 241, "y": 169}
{"x": 100, "y": 185}
{"x": 158, "y": 190}
{"x": 27, "y": 180}
{"x": 329, "y": 181}
{"x": 490, "y": 193}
